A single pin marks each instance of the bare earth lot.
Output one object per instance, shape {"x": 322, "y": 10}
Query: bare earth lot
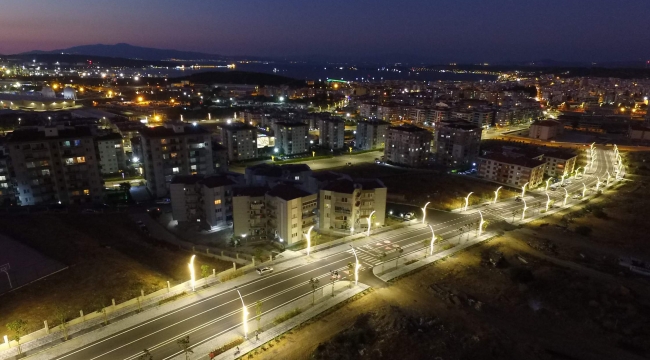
{"x": 109, "y": 258}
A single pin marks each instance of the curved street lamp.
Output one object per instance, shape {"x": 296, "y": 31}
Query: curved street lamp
{"x": 597, "y": 183}
{"x": 433, "y": 239}
{"x": 424, "y": 211}
{"x": 356, "y": 266}
{"x": 245, "y": 312}
{"x": 308, "y": 235}
{"x": 563, "y": 176}
{"x": 566, "y": 196}
{"x": 523, "y": 190}
{"x": 480, "y": 224}
{"x": 523, "y": 212}
{"x": 192, "y": 276}
{"x": 547, "y": 180}
{"x": 370, "y": 221}
{"x": 467, "y": 200}
{"x": 584, "y": 189}
{"x": 496, "y": 194}
{"x": 608, "y": 176}
{"x": 548, "y": 201}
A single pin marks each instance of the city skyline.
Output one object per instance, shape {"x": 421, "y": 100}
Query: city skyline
{"x": 416, "y": 31}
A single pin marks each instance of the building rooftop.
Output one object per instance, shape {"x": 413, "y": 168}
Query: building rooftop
{"x": 560, "y": 154}
{"x": 237, "y": 125}
{"x": 48, "y": 133}
{"x": 374, "y": 122}
{"x": 272, "y": 170}
{"x": 341, "y": 186}
{"x": 370, "y": 184}
{"x": 458, "y": 124}
{"x": 170, "y": 131}
{"x": 290, "y": 123}
{"x": 548, "y": 123}
{"x": 186, "y": 179}
{"x": 513, "y": 160}
{"x": 408, "y": 128}
{"x": 287, "y": 192}
{"x": 255, "y": 191}
{"x": 109, "y": 136}
{"x": 217, "y": 181}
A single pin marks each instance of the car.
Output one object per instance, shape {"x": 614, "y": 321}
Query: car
{"x": 349, "y": 164}
{"x": 264, "y": 270}
{"x": 377, "y": 161}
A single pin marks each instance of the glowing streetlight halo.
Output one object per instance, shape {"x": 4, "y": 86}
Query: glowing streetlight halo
{"x": 496, "y": 194}
{"x": 433, "y": 239}
{"x": 370, "y": 221}
{"x": 547, "y": 182}
{"x": 192, "y": 273}
{"x": 548, "y": 201}
{"x": 480, "y": 224}
{"x": 467, "y": 200}
{"x": 523, "y": 212}
{"x": 523, "y": 190}
{"x": 308, "y": 236}
{"x": 566, "y": 196}
{"x": 356, "y": 266}
{"x": 245, "y": 315}
{"x": 424, "y": 211}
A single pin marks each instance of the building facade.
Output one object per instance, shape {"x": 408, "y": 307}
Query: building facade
{"x": 331, "y": 133}
{"x": 239, "y": 139}
{"x": 544, "y": 130}
{"x": 173, "y": 150}
{"x": 407, "y": 145}
{"x": 291, "y": 137}
{"x": 55, "y": 165}
{"x": 345, "y": 205}
{"x": 111, "y": 153}
{"x": 511, "y": 170}
{"x": 371, "y": 134}
{"x": 559, "y": 163}
{"x": 205, "y": 201}
{"x": 457, "y": 144}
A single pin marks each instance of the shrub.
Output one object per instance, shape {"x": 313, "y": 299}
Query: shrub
{"x": 583, "y": 230}
{"x": 286, "y": 316}
{"x": 231, "y": 275}
{"x": 236, "y": 342}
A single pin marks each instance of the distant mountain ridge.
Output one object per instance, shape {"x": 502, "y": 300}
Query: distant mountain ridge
{"x": 127, "y": 51}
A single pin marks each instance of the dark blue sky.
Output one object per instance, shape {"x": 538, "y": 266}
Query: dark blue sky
{"x": 430, "y": 30}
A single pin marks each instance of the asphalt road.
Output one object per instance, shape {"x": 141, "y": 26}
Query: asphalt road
{"x": 322, "y": 164}
{"x": 212, "y": 316}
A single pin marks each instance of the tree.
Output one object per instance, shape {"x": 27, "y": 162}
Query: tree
{"x": 62, "y": 317}
{"x": 205, "y": 272}
{"x": 314, "y": 285}
{"x": 19, "y": 328}
{"x": 184, "y": 344}
{"x": 258, "y": 313}
{"x": 146, "y": 355}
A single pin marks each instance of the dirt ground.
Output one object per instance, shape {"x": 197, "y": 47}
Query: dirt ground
{"x": 553, "y": 294}
{"x": 108, "y": 258}
{"x": 445, "y": 191}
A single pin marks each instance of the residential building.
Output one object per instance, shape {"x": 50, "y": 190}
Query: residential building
{"x": 282, "y": 213}
{"x": 205, "y": 201}
{"x": 511, "y": 170}
{"x": 545, "y": 129}
{"x": 174, "y": 149}
{"x": 560, "y": 162}
{"x": 111, "y": 153}
{"x": 407, "y": 145}
{"x": 291, "y": 137}
{"x": 8, "y": 194}
{"x": 270, "y": 175}
{"x": 345, "y": 205}
{"x": 219, "y": 157}
{"x": 371, "y": 134}
{"x": 55, "y": 165}
{"x": 240, "y": 140}
{"x": 331, "y": 133}
{"x": 457, "y": 144}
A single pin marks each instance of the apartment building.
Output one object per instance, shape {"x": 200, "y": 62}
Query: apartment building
{"x": 281, "y": 213}
{"x": 8, "y": 194}
{"x": 346, "y": 204}
{"x": 291, "y": 137}
{"x": 559, "y": 162}
{"x": 55, "y": 165}
{"x": 371, "y": 134}
{"x": 457, "y": 144}
{"x": 545, "y": 129}
{"x": 204, "y": 201}
{"x": 240, "y": 140}
{"x": 511, "y": 170}
{"x": 331, "y": 133}
{"x": 174, "y": 149}
{"x": 111, "y": 153}
{"x": 407, "y": 145}
{"x": 270, "y": 175}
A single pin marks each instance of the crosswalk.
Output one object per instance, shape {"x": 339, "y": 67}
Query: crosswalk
{"x": 369, "y": 254}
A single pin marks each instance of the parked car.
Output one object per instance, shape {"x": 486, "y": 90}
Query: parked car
{"x": 264, "y": 270}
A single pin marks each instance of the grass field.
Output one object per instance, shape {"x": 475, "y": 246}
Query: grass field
{"x": 109, "y": 258}
{"x": 444, "y": 191}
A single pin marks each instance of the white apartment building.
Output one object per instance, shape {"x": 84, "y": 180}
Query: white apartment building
{"x": 174, "y": 149}
{"x": 55, "y": 165}
{"x": 559, "y": 163}
{"x": 283, "y": 213}
{"x": 291, "y": 137}
{"x": 371, "y": 134}
{"x": 407, "y": 145}
{"x": 511, "y": 170}
{"x": 545, "y": 129}
{"x": 111, "y": 153}
{"x": 240, "y": 140}
{"x": 331, "y": 133}
{"x": 204, "y": 201}
{"x": 345, "y": 205}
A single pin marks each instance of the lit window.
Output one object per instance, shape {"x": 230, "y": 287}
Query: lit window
{"x": 217, "y": 202}
{"x": 80, "y": 159}
{"x": 176, "y": 170}
{"x": 86, "y": 192}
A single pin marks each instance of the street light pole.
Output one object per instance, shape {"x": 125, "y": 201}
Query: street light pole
{"x": 192, "y": 276}
{"x": 370, "y": 221}
{"x": 245, "y": 312}
{"x": 308, "y": 235}
{"x": 584, "y": 189}
{"x": 523, "y": 213}
{"x": 547, "y": 180}
{"x": 548, "y": 201}
{"x": 496, "y": 194}
{"x": 356, "y": 266}
{"x": 480, "y": 224}
{"x": 424, "y": 211}
{"x": 433, "y": 239}
{"x": 566, "y": 196}
{"x": 597, "y": 183}
{"x": 523, "y": 190}
{"x": 467, "y": 201}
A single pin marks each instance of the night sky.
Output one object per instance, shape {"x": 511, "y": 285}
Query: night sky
{"x": 415, "y": 30}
